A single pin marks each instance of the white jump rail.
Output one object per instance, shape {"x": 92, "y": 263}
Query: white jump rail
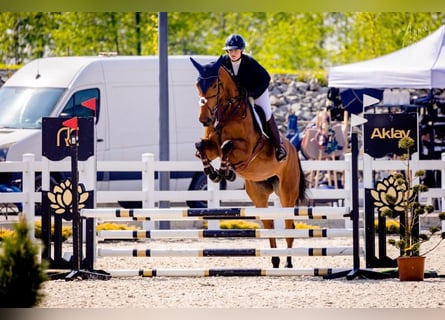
{"x": 150, "y": 196}
{"x": 96, "y": 250}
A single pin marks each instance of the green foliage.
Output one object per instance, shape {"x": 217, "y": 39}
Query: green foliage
{"x": 10, "y": 68}
{"x": 21, "y": 275}
{"x": 4, "y": 233}
{"x": 366, "y": 35}
{"x": 279, "y": 40}
{"x": 66, "y": 231}
{"x": 238, "y": 224}
{"x": 243, "y": 224}
{"x": 392, "y": 226}
{"x": 398, "y": 195}
{"x": 114, "y": 226}
{"x": 303, "y": 75}
{"x": 302, "y": 225}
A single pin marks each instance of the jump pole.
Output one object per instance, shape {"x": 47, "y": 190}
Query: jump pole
{"x": 224, "y": 272}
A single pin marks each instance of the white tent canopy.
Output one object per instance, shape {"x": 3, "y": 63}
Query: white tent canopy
{"x": 420, "y": 65}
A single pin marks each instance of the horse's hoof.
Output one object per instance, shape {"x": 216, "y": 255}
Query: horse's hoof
{"x": 215, "y": 177}
{"x": 275, "y": 262}
{"x": 231, "y": 176}
{"x": 288, "y": 263}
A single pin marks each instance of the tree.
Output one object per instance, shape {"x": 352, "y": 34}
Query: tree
{"x": 21, "y": 274}
{"x": 282, "y": 41}
{"x": 366, "y": 35}
{"x": 24, "y": 36}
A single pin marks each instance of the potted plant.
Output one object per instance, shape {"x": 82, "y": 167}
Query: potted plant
{"x": 398, "y": 195}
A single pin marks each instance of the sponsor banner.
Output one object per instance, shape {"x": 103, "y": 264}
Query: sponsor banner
{"x": 382, "y": 132}
{"x": 56, "y": 133}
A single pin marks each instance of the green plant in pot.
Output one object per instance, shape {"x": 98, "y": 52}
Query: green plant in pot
{"x": 398, "y": 196}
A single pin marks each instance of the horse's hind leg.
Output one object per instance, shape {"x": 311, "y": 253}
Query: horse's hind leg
{"x": 289, "y": 224}
{"x": 288, "y": 194}
{"x": 259, "y": 193}
{"x": 269, "y": 224}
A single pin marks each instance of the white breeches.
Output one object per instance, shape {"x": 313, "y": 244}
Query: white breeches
{"x": 264, "y": 102}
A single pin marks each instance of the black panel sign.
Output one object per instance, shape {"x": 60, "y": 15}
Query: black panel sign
{"x": 382, "y": 132}
{"x": 56, "y": 138}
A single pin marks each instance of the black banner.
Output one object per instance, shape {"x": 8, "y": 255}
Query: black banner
{"x": 55, "y": 138}
{"x": 382, "y": 132}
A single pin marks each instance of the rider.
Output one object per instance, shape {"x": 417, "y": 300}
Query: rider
{"x": 250, "y": 75}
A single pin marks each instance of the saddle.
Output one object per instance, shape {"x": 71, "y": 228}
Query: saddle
{"x": 260, "y": 118}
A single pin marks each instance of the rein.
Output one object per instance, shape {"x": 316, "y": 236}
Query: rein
{"x": 221, "y": 111}
{"x": 224, "y": 113}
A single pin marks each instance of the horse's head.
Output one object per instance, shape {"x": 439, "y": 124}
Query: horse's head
{"x": 208, "y": 85}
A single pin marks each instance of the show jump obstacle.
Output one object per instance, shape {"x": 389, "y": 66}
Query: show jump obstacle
{"x": 94, "y": 251}
{"x": 220, "y": 214}
{"x": 82, "y": 213}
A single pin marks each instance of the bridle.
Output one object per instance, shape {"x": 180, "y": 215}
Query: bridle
{"x": 219, "y": 110}
{"x": 203, "y": 100}
{"x": 223, "y": 112}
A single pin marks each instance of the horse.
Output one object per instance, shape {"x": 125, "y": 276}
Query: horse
{"x": 232, "y": 134}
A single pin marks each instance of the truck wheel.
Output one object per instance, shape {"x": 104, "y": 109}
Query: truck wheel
{"x": 130, "y": 204}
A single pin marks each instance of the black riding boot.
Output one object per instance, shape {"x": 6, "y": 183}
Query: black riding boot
{"x": 275, "y": 138}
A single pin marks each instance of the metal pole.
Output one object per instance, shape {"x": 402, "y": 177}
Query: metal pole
{"x": 164, "y": 140}
{"x": 355, "y": 202}
{"x": 77, "y": 251}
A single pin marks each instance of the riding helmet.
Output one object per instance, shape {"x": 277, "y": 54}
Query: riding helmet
{"x": 233, "y": 42}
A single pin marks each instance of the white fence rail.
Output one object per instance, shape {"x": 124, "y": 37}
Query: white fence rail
{"x": 150, "y": 196}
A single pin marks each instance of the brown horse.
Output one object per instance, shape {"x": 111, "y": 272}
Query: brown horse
{"x": 232, "y": 135}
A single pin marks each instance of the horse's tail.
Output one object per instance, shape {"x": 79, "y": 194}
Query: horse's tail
{"x": 302, "y": 196}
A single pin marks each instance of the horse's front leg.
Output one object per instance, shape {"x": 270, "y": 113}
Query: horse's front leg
{"x": 225, "y": 169}
{"x": 202, "y": 147}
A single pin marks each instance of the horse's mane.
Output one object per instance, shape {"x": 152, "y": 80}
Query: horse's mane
{"x": 209, "y": 72}
{"x": 242, "y": 91}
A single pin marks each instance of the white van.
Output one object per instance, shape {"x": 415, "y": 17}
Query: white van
{"x": 127, "y": 89}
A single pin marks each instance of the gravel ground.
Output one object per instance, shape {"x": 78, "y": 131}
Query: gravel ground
{"x": 242, "y": 292}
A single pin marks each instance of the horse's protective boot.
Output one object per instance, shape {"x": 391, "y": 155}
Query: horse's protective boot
{"x": 274, "y": 135}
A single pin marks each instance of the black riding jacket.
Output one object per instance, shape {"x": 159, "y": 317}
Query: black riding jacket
{"x": 251, "y": 75}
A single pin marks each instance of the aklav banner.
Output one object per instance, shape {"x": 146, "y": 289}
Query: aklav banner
{"x": 382, "y": 132}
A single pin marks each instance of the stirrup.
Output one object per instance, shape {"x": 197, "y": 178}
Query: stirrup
{"x": 281, "y": 154}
